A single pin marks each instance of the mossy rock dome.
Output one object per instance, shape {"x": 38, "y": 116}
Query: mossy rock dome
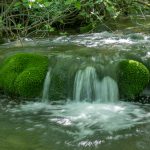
{"x": 23, "y": 74}
{"x": 133, "y": 77}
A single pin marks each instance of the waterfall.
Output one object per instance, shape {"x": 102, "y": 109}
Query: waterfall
{"x": 83, "y": 84}
{"x": 88, "y": 87}
{"x": 109, "y": 90}
{"x": 46, "y": 86}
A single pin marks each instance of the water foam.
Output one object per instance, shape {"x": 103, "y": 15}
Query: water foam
{"x": 88, "y": 118}
{"x": 104, "y": 38}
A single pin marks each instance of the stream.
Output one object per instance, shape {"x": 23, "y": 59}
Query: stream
{"x": 84, "y": 115}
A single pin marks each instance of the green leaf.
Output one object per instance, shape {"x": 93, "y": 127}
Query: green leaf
{"x": 47, "y": 4}
{"x": 49, "y": 28}
{"x": 78, "y": 5}
{"x": 19, "y": 26}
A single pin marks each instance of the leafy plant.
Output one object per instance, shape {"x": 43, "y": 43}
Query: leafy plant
{"x": 39, "y": 17}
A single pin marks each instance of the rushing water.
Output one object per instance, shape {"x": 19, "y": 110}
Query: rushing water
{"x": 89, "y": 114}
{"x": 46, "y": 86}
{"x": 88, "y": 87}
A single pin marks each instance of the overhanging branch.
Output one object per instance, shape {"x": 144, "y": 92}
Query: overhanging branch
{"x": 143, "y": 3}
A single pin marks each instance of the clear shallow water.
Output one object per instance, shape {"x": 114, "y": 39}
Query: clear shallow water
{"x": 104, "y": 45}
{"x": 43, "y": 126}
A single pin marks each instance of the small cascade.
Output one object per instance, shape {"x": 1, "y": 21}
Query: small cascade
{"x": 88, "y": 87}
{"x": 46, "y": 86}
{"x": 109, "y": 90}
{"x": 83, "y": 85}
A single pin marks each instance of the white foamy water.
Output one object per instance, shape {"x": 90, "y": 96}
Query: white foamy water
{"x": 85, "y": 83}
{"x": 46, "y": 86}
{"x": 88, "y": 87}
{"x": 104, "y": 38}
{"x": 109, "y": 90}
{"x": 88, "y": 118}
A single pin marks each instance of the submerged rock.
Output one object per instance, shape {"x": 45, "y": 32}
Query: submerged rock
{"x": 63, "y": 75}
{"x": 23, "y": 74}
{"x": 133, "y": 77}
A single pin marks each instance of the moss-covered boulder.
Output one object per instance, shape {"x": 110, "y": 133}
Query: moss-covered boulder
{"x": 147, "y": 64}
{"x": 133, "y": 77}
{"x": 23, "y": 74}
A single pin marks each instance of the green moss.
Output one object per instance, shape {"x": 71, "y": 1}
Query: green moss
{"x": 8, "y": 83}
{"x": 23, "y": 74}
{"x": 28, "y": 82}
{"x": 133, "y": 78}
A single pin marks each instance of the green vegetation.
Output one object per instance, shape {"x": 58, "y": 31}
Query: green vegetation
{"x": 42, "y": 17}
{"x": 23, "y": 74}
{"x": 133, "y": 77}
